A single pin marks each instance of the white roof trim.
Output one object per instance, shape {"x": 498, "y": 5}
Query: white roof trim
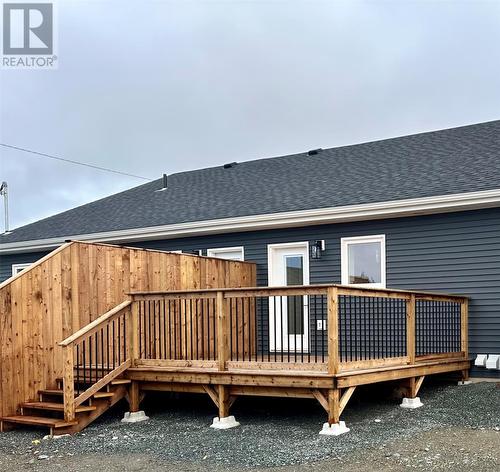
{"x": 367, "y": 211}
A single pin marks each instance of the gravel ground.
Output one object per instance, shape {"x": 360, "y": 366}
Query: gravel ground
{"x": 457, "y": 429}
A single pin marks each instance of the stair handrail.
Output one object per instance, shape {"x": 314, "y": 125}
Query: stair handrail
{"x": 68, "y": 346}
{"x": 92, "y": 327}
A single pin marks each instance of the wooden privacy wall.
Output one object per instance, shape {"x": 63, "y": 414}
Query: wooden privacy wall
{"x": 72, "y": 286}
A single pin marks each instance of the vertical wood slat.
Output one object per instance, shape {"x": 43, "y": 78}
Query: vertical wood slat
{"x": 410, "y": 328}
{"x": 73, "y": 285}
{"x": 333, "y": 330}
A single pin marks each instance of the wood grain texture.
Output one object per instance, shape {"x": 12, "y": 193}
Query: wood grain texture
{"x": 74, "y": 285}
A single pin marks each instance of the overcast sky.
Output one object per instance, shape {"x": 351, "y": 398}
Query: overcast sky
{"x": 163, "y": 86}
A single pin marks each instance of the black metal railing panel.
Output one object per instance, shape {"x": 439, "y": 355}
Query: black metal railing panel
{"x": 279, "y": 328}
{"x": 371, "y": 328}
{"x": 437, "y": 327}
{"x": 100, "y": 353}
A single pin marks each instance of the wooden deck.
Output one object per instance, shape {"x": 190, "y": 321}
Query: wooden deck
{"x": 317, "y": 341}
{"x": 370, "y": 336}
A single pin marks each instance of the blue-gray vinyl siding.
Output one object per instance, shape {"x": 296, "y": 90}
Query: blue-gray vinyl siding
{"x": 6, "y": 262}
{"x": 452, "y": 252}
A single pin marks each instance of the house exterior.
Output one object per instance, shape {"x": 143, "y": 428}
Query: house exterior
{"x": 416, "y": 212}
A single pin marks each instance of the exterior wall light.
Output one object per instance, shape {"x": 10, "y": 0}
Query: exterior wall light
{"x": 317, "y": 248}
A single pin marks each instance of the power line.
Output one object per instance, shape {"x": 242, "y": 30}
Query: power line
{"x": 92, "y": 166}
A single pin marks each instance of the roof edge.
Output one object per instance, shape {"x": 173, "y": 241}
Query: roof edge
{"x": 365, "y": 211}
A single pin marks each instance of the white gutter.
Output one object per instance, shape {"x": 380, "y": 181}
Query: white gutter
{"x": 368, "y": 211}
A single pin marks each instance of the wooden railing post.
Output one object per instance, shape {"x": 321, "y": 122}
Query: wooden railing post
{"x": 333, "y": 330}
{"x": 410, "y": 328}
{"x": 68, "y": 383}
{"x": 222, "y": 330}
{"x": 464, "y": 327}
{"x": 133, "y": 334}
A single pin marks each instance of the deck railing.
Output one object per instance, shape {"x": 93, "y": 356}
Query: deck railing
{"x": 331, "y": 328}
{"x": 95, "y": 355}
{"x": 180, "y": 329}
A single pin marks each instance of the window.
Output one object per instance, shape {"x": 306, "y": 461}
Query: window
{"x": 295, "y": 305}
{"x": 16, "y": 268}
{"x": 363, "y": 261}
{"x": 233, "y": 253}
{"x": 193, "y": 252}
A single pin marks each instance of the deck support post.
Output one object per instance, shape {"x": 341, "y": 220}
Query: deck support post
{"x": 414, "y": 384}
{"x": 134, "y": 396}
{"x": 224, "y": 402}
{"x": 464, "y": 378}
{"x": 334, "y": 404}
{"x": 412, "y": 401}
{"x": 134, "y": 399}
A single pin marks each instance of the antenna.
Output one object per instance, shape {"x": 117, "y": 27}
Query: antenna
{"x": 5, "y": 194}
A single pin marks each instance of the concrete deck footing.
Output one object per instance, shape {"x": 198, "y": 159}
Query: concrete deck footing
{"x": 224, "y": 423}
{"x": 335, "y": 429}
{"x": 135, "y": 417}
{"x": 411, "y": 403}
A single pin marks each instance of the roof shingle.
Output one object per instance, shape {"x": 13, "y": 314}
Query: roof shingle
{"x": 451, "y": 161}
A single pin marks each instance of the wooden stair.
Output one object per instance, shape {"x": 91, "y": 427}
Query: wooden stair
{"x": 57, "y": 392}
{"x": 48, "y": 412}
{"x": 51, "y": 406}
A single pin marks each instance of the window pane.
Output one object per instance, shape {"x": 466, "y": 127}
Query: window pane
{"x": 295, "y": 304}
{"x": 364, "y": 263}
{"x": 16, "y": 268}
{"x": 294, "y": 270}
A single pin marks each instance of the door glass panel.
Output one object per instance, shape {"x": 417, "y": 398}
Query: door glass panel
{"x": 364, "y": 263}
{"x": 295, "y": 304}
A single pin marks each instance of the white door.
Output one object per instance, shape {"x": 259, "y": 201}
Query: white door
{"x": 288, "y": 264}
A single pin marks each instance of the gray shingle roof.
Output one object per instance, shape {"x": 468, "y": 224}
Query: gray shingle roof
{"x": 451, "y": 161}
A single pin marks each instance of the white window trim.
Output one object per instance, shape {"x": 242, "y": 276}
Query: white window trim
{"x": 16, "y": 268}
{"x": 300, "y": 244}
{"x": 213, "y": 252}
{"x": 344, "y": 243}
